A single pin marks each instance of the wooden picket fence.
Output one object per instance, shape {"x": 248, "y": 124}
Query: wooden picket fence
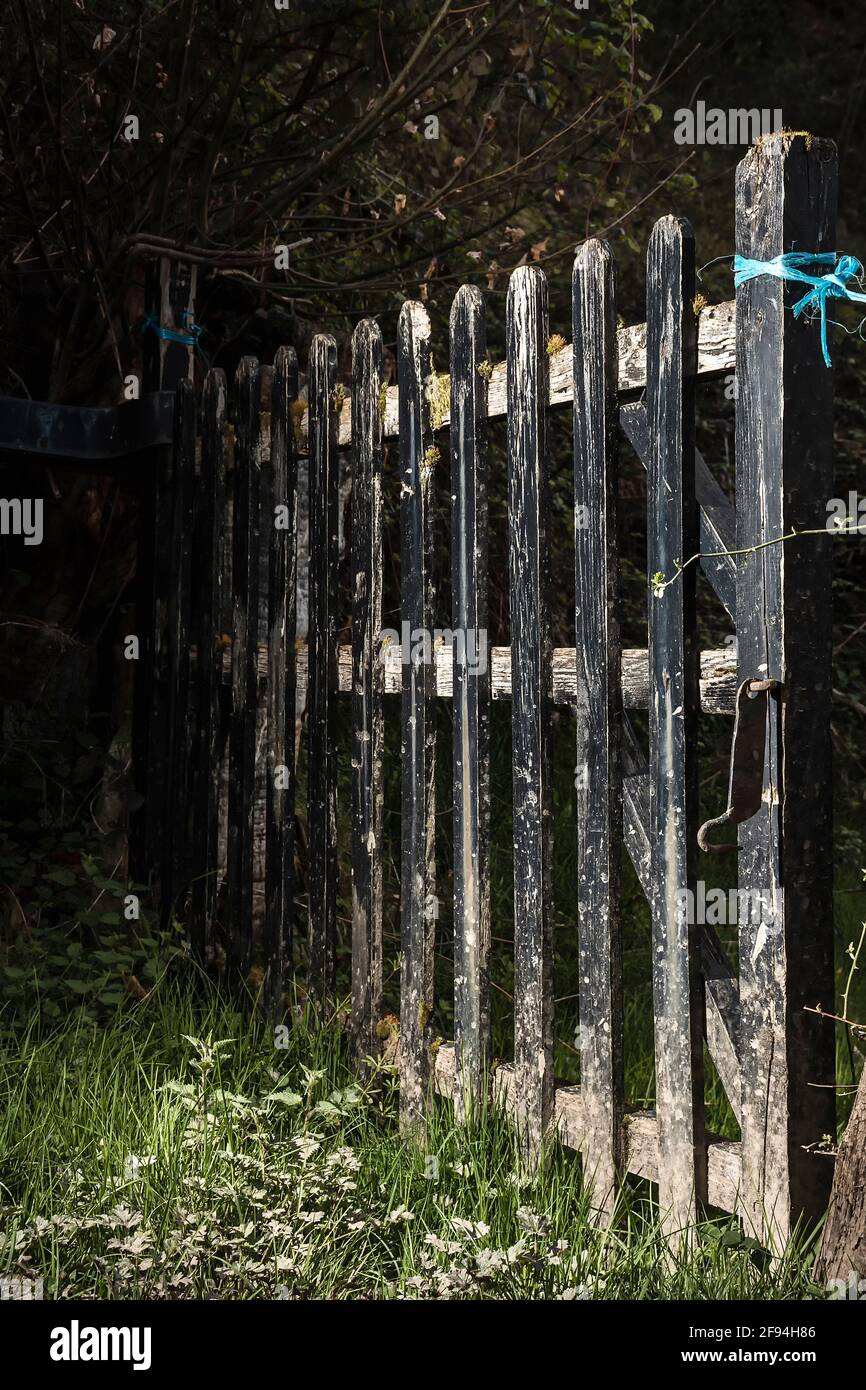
{"x": 221, "y": 667}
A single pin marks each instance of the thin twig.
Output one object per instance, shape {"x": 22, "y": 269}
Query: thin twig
{"x": 659, "y": 583}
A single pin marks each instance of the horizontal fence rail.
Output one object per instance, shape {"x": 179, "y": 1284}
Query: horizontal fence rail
{"x": 639, "y": 1142}
{"x": 718, "y": 673}
{"x": 227, "y": 683}
{"x": 716, "y": 355}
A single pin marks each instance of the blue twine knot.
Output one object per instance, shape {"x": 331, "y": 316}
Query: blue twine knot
{"x": 152, "y": 324}
{"x": 823, "y": 287}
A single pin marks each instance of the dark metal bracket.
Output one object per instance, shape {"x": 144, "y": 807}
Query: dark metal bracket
{"x": 746, "y": 785}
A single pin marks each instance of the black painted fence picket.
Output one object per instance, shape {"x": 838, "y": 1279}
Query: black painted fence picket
{"x": 217, "y": 652}
{"x": 471, "y": 759}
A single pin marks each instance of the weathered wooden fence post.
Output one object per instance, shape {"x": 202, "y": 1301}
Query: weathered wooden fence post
{"x": 531, "y": 657}
{"x": 280, "y": 528}
{"x": 322, "y": 704}
{"x": 245, "y": 617}
{"x": 672, "y": 537}
{"x": 471, "y": 690}
{"x": 786, "y": 199}
{"x": 148, "y": 701}
{"x": 419, "y": 905}
{"x": 210, "y": 624}
{"x": 150, "y": 705}
{"x": 368, "y": 681}
{"x": 170, "y": 300}
{"x": 599, "y": 717}
{"x": 174, "y": 858}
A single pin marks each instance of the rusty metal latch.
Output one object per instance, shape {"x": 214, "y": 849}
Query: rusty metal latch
{"x": 746, "y": 785}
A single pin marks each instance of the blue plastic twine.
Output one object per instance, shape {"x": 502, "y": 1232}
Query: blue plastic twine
{"x": 823, "y": 287}
{"x": 190, "y": 339}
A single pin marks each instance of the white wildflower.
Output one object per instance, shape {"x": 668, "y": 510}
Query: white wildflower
{"x": 530, "y": 1221}
{"x": 490, "y": 1262}
{"x": 132, "y": 1164}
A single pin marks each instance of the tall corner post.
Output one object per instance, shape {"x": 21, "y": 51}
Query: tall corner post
{"x": 786, "y": 200}
{"x": 170, "y": 299}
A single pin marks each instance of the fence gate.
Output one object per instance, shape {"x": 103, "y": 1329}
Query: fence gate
{"x": 227, "y": 675}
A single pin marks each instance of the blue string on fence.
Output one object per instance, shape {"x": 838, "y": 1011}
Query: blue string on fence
{"x": 190, "y": 338}
{"x": 790, "y": 266}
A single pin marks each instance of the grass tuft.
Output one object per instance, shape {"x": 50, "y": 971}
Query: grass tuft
{"x": 177, "y": 1153}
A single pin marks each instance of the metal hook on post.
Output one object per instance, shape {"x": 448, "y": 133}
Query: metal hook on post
{"x": 746, "y": 784}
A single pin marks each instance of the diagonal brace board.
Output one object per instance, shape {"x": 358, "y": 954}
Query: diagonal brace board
{"x": 722, "y": 986}
{"x": 717, "y": 521}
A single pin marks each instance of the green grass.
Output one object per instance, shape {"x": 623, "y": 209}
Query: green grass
{"x": 177, "y": 1152}
{"x": 138, "y": 1159}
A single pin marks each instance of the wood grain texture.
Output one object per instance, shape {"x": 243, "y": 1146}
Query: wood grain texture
{"x": 715, "y": 355}
{"x": 718, "y": 680}
{"x": 471, "y": 761}
{"x": 367, "y": 687}
{"x": 636, "y": 806}
{"x": 598, "y": 719}
{"x": 717, "y": 522}
{"x": 245, "y": 610}
{"x": 531, "y": 648}
{"x": 280, "y": 531}
{"x": 321, "y": 716}
{"x": 722, "y": 998}
{"x": 212, "y": 586}
{"x": 640, "y": 1142}
{"x": 721, "y": 984}
{"x": 672, "y": 534}
{"x": 786, "y": 196}
{"x": 419, "y": 905}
